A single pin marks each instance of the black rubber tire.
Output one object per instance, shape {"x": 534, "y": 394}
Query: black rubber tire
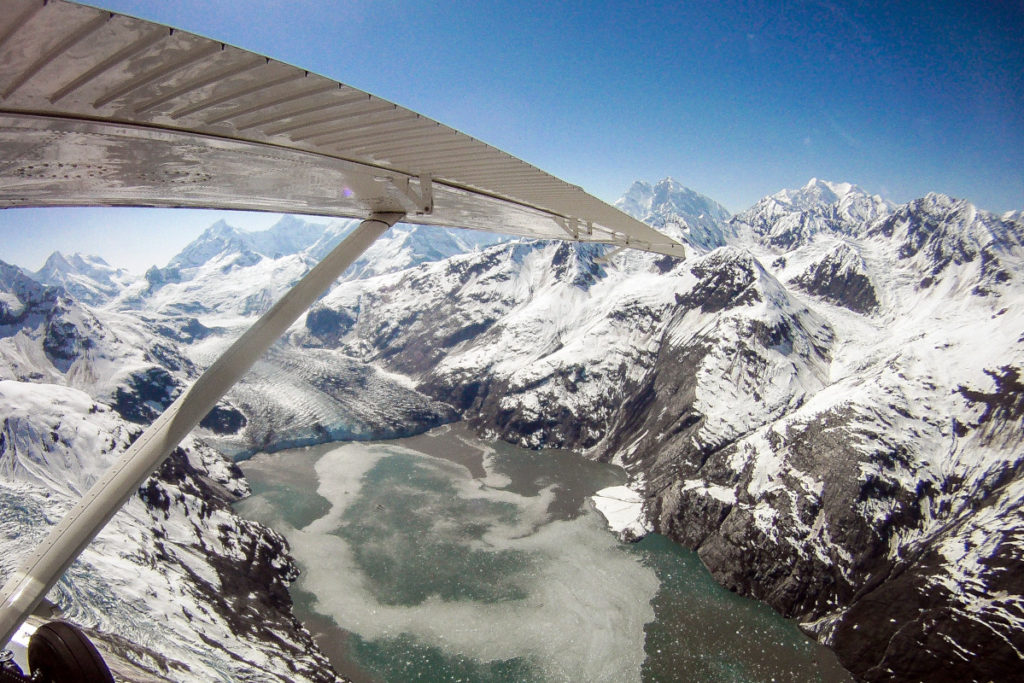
{"x": 65, "y": 655}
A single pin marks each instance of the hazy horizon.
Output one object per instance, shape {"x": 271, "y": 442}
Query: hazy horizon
{"x": 136, "y": 250}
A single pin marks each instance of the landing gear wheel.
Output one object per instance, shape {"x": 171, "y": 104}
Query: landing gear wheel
{"x": 60, "y": 653}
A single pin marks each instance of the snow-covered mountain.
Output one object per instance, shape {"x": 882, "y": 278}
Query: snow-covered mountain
{"x": 678, "y": 211}
{"x": 77, "y": 380}
{"x": 825, "y": 400}
{"x": 89, "y": 279}
{"x": 229, "y": 272}
{"x": 791, "y": 218}
{"x": 176, "y": 587}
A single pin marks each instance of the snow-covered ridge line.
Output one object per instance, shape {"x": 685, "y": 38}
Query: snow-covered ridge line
{"x": 761, "y": 387}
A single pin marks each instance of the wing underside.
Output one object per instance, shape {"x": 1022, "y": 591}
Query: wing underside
{"x": 100, "y": 109}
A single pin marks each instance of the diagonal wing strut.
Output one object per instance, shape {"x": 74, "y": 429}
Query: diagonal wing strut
{"x": 48, "y": 562}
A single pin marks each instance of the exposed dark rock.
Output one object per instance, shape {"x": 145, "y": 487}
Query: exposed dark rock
{"x": 933, "y": 228}
{"x": 574, "y": 262}
{"x": 145, "y": 395}
{"x": 158, "y": 277}
{"x": 184, "y": 330}
{"x": 726, "y": 279}
{"x": 251, "y": 595}
{"x": 244, "y": 259}
{"x": 329, "y": 324}
{"x": 223, "y": 419}
{"x": 840, "y": 278}
{"x": 32, "y": 298}
{"x": 667, "y": 263}
{"x": 65, "y": 337}
{"x": 1005, "y": 404}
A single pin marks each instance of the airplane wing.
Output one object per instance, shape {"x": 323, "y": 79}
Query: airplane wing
{"x": 100, "y": 109}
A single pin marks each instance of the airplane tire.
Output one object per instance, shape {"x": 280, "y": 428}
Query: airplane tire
{"x": 63, "y": 654}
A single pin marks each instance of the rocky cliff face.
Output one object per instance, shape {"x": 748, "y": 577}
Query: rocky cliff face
{"x": 840, "y": 277}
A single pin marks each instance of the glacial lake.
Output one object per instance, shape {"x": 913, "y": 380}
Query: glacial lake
{"x": 442, "y": 557}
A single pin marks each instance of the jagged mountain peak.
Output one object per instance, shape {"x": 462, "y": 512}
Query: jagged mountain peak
{"x": 937, "y": 213}
{"x": 822, "y": 196}
{"x": 679, "y": 211}
{"x": 290, "y": 235}
{"x": 668, "y": 196}
{"x": 827, "y": 192}
{"x": 231, "y": 271}
{"x": 685, "y": 200}
{"x": 216, "y": 239}
{"x": 791, "y": 218}
{"x": 77, "y": 262}
{"x": 56, "y": 260}
{"x": 86, "y": 277}
{"x": 221, "y": 227}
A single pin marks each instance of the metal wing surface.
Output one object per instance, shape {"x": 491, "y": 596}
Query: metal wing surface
{"x": 101, "y": 109}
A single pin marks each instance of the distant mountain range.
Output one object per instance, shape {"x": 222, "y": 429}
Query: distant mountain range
{"x": 824, "y": 400}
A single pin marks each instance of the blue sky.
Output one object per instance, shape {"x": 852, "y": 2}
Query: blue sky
{"x": 734, "y": 99}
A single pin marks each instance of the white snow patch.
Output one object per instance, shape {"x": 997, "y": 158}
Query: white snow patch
{"x": 623, "y": 510}
{"x": 722, "y": 494}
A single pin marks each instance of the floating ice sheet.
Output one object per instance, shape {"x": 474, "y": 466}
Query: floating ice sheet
{"x": 414, "y": 548}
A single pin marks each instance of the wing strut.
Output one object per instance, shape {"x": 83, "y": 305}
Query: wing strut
{"x": 41, "y": 570}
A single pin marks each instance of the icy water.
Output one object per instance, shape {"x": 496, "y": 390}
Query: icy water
{"x": 444, "y": 558}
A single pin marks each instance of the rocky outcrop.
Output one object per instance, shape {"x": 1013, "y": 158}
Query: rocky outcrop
{"x": 251, "y": 563}
{"x": 840, "y": 278}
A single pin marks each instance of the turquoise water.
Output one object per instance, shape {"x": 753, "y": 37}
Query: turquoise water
{"x": 444, "y": 558}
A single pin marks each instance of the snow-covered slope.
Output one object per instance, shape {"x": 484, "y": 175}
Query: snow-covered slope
{"x": 170, "y": 587}
{"x": 227, "y": 273}
{"x": 792, "y": 218}
{"x": 176, "y": 587}
{"x": 79, "y": 379}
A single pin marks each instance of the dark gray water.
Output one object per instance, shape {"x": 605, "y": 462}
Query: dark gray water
{"x": 444, "y": 558}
